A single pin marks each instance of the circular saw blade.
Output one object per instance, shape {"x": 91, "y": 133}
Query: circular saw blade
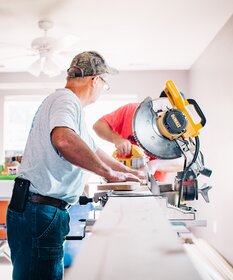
{"x": 147, "y": 134}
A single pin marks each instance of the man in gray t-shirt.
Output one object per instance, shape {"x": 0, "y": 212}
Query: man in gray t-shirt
{"x": 58, "y": 155}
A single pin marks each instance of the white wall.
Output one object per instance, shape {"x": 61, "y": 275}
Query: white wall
{"x": 147, "y": 83}
{"x": 1, "y": 130}
{"x": 211, "y": 84}
{"x": 143, "y": 83}
{"x": 140, "y": 83}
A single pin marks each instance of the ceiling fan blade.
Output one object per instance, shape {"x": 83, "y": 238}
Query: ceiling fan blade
{"x": 50, "y": 68}
{"x": 64, "y": 43}
{"x": 35, "y": 68}
{"x": 15, "y": 57}
{"x": 5, "y": 45}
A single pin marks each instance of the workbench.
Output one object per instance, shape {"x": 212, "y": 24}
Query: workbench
{"x": 132, "y": 239}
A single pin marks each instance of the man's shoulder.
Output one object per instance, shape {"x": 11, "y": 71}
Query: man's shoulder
{"x": 131, "y": 105}
{"x": 120, "y": 113}
{"x": 64, "y": 92}
{"x": 63, "y": 95}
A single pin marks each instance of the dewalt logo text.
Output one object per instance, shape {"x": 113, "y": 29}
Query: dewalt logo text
{"x": 177, "y": 123}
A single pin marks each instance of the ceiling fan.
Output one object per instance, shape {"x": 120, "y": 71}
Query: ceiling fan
{"x": 47, "y": 48}
{"x": 48, "y": 51}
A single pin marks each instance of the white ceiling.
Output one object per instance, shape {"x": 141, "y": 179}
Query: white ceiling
{"x": 132, "y": 35}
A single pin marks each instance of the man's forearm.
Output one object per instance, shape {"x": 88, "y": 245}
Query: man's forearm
{"x": 104, "y": 131}
{"x": 167, "y": 165}
{"x": 76, "y": 151}
{"x": 122, "y": 145}
{"x": 108, "y": 160}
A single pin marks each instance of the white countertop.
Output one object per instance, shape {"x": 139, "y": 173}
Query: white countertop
{"x": 6, "y": 187}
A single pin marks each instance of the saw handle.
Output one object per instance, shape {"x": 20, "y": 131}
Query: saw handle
{"x": 180, "y": 103}
{"x": 198, "y": 110}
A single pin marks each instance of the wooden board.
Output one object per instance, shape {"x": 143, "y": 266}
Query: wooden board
{"x": 132, "y": 239}
{"x": 119, "y": 186}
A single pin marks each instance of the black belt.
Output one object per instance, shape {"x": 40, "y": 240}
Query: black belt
{"x": 41, "y": 199}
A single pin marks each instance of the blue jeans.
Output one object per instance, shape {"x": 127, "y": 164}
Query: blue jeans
{"x": 36, "y": 238}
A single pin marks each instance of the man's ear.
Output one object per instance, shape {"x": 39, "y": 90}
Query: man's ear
{"x": 94, "y": 81}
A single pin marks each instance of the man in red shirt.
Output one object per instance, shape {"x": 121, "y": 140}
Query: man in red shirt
{"x": 116, "y": 127}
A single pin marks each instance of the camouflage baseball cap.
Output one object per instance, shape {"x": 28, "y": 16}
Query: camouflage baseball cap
{"x": 89, "y": 63}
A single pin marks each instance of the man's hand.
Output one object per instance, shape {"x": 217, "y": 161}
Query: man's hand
{"x": 166, "y": 165}
{"x": 139, "y": 173}
{"x": 117, "y": 176}
{"x": 123, "y": 147}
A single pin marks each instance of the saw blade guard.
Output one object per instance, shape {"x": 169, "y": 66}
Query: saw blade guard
{"x": 146, "y": 131}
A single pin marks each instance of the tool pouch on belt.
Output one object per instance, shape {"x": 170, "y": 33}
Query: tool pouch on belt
{"x": 20, "y": 195}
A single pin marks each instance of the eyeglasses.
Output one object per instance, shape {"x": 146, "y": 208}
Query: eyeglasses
{"x": 106, "y": 85}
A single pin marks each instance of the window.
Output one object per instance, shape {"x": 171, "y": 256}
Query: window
{"x": 20, "y": 110}
{"x": 18, "y": 115}
{"x": 105, "y": 104}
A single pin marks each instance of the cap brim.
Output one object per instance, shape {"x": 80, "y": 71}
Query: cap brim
{"x": 112, "y": 71}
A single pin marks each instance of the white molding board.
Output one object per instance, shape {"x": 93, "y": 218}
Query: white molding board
{"x": 132, "y": 239}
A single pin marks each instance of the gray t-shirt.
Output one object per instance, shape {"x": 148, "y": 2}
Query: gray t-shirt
{"x": 50, "y": 174}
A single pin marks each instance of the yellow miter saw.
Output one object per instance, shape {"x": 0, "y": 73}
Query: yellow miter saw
{"x": 165, "y": 129}
{"x": 135, "y": 160}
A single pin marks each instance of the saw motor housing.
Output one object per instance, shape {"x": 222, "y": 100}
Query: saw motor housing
{"x": 172, "y": 123}
{"x": 179, "y": 103}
